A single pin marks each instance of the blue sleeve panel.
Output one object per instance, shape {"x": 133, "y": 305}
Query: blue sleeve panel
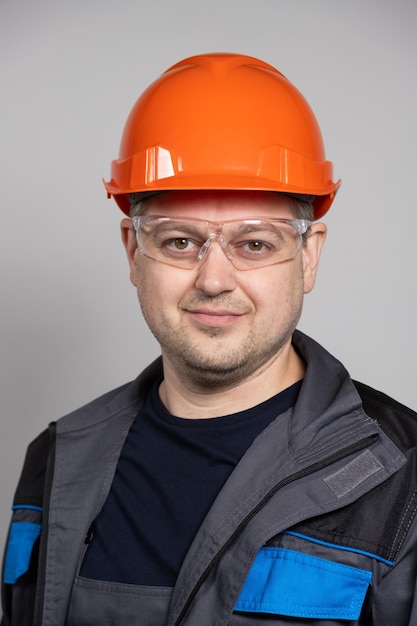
{"x": 19, "y": 549}
{"x": 287, "y": 582}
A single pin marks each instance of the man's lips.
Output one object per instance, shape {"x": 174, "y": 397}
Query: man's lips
{"x": 214, "y": 317}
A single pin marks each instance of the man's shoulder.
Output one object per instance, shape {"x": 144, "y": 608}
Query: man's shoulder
{"x": 398, "y": 421}
{"x": 377, "y": 400}
{"x": 31, "y": 483}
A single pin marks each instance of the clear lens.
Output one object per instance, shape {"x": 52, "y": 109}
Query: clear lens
{"x": 248, "y": 244}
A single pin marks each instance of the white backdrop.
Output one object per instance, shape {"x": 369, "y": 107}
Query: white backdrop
{"x": 70, "y": 327}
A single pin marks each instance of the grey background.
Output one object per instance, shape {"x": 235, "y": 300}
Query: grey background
{"x": 70, "y": 327}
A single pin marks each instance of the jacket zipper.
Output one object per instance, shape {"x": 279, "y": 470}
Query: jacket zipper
{"x": 356, "y": 447}
{"x": 40, "y": 586}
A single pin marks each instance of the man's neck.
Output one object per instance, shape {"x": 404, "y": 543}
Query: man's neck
{"x": 184, "y": 398}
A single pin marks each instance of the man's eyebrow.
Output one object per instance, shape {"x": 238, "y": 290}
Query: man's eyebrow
{"x": 264, "y": 227}
{"x": 185, "y": 227}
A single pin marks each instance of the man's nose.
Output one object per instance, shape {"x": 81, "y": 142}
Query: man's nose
{"x": 216, "y": 274}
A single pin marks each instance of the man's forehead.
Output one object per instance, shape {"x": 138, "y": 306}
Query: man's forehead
{"x": 221, "y": 199}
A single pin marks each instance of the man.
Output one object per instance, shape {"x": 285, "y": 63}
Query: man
{"x": 243, "y": 478}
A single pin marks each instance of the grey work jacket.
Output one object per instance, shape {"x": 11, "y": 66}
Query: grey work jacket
{"x": 316, "y": 524}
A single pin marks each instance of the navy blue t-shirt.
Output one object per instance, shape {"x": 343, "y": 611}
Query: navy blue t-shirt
{"x": 168, "y": 476}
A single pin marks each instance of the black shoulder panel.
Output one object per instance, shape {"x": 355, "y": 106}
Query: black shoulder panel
{"x": 396, "y": 420}
{"x": 30, "y": 488}
{"x": 378, "y": 521}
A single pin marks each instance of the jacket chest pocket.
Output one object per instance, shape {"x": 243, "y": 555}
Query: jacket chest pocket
{"x": 289, "y": 583}
{"x": 96, "y": 602}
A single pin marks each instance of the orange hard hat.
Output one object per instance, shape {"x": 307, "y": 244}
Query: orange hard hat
{"x": 226, "y": 122}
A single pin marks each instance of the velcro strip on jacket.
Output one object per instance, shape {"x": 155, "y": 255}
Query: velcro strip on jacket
{"x": 24, "y": 531}
{"x": 287, "y": 582}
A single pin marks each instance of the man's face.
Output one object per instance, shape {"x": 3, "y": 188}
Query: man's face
{"x": 216, "y": 325}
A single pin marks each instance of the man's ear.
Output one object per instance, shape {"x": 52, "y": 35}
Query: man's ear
{"x": 131, "y": 246}
{"x": 311, "y": 254}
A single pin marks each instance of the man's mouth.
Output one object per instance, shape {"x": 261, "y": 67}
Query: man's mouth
{"x": 214, "y": 317}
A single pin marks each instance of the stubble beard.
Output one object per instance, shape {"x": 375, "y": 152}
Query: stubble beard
{"x": 211, "y": 362}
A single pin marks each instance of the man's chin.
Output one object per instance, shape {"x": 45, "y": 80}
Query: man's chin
{"x": 216, "y": 371}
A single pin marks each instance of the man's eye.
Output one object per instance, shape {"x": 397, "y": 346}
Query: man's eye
{"x": 179, "y": 243}
{"x": 256, "y": 246}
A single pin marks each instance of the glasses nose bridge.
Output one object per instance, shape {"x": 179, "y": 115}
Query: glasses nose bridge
{"x": 215, "y": 232}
